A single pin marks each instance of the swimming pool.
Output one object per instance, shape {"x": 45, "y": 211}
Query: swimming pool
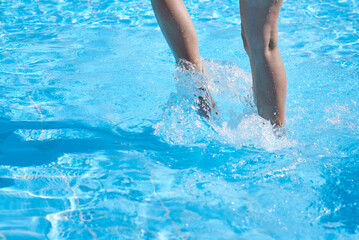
{"x": 99, "y": 139}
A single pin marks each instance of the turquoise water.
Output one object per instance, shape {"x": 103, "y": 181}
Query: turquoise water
{"x": 100, "y": 139}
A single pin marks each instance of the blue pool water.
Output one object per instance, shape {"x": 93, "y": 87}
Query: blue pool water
{"x": 99, "y": 139}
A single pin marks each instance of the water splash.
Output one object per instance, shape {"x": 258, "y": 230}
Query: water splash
{"x": 237, "y": 122}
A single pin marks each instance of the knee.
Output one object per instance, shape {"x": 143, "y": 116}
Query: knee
{"x": 255, "y": 44}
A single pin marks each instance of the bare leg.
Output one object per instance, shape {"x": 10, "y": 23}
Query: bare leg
{"x": 181, "y": 36}
{"x": 178, "y": 29}
{"x": 260, "y": 40}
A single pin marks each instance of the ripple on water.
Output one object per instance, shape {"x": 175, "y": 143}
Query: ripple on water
{"x": 80, "y": 93}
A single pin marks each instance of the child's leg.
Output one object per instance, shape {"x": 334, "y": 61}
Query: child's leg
{"x": 178, "y": 29}
{"x": 260, "y": 40}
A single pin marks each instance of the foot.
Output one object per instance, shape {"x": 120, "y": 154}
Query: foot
{"x": 205, "y": 103}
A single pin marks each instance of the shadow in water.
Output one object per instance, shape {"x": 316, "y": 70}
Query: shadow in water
{"x": 15, "y": 151}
